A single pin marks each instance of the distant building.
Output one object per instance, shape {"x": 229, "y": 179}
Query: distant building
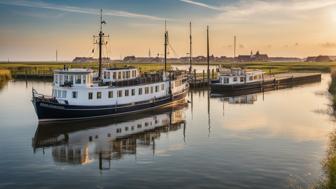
{"x": 320, "y": 58}
{"x": 253, "y": 57}
{"x": 90, "y": 59}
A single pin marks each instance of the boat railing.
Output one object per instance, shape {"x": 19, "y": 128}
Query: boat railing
{"x": 43, "y": 97}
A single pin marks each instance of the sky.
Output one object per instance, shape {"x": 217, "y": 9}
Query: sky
{"x": 32, "y": 30}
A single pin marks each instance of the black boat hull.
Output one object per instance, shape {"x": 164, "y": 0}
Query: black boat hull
{"x": 53, "y": 111}
{"x": 262, "y": 86}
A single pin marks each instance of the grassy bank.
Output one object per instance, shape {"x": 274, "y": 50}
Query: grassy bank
{"x": 332, "y": 87}
{"x": 281, "y": 67}
{"x": 46, "y": 68}
{"x": 5, "y": 75}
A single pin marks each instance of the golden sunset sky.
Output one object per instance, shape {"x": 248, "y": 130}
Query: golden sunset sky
{"x": 33, "y": 30}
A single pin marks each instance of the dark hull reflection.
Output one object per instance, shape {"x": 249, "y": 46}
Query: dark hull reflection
{"x": 80, "y": 142}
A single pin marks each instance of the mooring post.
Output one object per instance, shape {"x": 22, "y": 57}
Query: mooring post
{"x": 195, "y": 75}
{"x": 203, "y": 76}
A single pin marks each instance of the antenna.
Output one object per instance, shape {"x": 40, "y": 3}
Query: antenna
{"x": 190, "y": 49}
{"x": 208, "y": 54}
{"x": 165, "y": 46}
{"x": 234, "y": 48}
{"x": 100, "y": 42}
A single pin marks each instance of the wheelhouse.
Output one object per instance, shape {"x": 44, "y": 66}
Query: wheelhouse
{"x": 119, "y": 74}
{"x": 73, "y": 77}
{"x": 239, "y": 76}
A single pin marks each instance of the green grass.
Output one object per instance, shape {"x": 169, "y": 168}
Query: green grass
{"x": 281, "y": 67}
{"x": 46, "y": 68}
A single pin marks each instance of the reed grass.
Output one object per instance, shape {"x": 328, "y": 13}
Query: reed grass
{"x": 5, "y": 75}
{"x": 332, "y": 87}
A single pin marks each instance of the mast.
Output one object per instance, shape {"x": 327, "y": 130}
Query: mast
{"x": 190, "y": 49}
{"x": 208, "y": 54}
{"x": 100, "y": 43}
{"x": 165, "y": 47}
{"x": 234, "y": 48}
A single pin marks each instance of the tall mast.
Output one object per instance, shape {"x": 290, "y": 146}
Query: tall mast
{"x": 100, "y": 43}
{"x": 208, "y": 54}
{"x": 190, "y": 49}
{"x": 165, "y": 46}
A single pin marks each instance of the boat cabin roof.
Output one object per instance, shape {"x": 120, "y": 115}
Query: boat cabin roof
{"x": 123, "y": 68}
{"x": 74, "y": 71}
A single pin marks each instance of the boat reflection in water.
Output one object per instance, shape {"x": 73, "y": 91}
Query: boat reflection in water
{"x": 105, "y": 140}
{"x": 244, "y": 99}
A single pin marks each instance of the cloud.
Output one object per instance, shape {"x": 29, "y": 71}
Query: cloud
{"x": 245, "y": 9}
{"x": 201, "y": 4}
{"x": 328, "y": 45}
{"x": 74, "y": 9}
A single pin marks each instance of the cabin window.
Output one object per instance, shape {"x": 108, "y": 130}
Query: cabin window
{"x": 105, "y": 75}
{"x": 127, "y": 92}
{"x": 119, "y": 75}
{"x": 56, "y": 79}
{"x": 110, "y": 94}
{"x": 84, "y": 79}
{"x": 118, "y": 130}
{"x": 132, "y": 128}
{"x": 114, "y": 75}
{"x": 61, "y": 79}
{"x": 146, "y": 90}
{"x": 66, "y": 78}
{"x": 140, "y": 91}
{"x": 139, "y": 126}
{"x": 146, "y": 124}
{"x": 108, "y": 75}
{"x": 78, "y": 79}
{"x": 151, "y": 89}
{"x": 251, "y": 78}
{"x": 126, "y": 128}
{"x": 71, "y": 79}
{"x": 255, "y": 77}
{"x": 59, "y": 93}
{"x": 74, "y": 94}
{"x": 90, "y": 95}
{"x": 128, "y": 74}
{"x": 99, "y": 95}
{"x": 234, "y": 78}
{"x": 64, "y": 94}
{"x": 133, "y": 92}
{"x": 157, "y": 88}
{"x": 108, "y": 134}
{"x": 120, "y": 93}
{"x": 226, "y": 80}
{"x": 241, "y": 79}
{"x": 162, "y": 86}
{"x": 124, "y": 75}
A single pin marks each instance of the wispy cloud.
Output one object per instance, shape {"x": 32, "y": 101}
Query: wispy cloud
{"x": 74, "y": 9}
{"x": 201, "y": 4}
{"x": 246, "y": 8}
{"x": 329, "y": 45}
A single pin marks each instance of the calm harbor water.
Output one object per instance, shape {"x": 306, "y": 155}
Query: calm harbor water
{"x": 273, "y": 140}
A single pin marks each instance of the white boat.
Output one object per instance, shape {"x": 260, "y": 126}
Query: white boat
{"x": 76, "y": 94}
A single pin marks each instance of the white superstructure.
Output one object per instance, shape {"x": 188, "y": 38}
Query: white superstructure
{"x": 121, "y": 86}
{"x": 239, "y": 76}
